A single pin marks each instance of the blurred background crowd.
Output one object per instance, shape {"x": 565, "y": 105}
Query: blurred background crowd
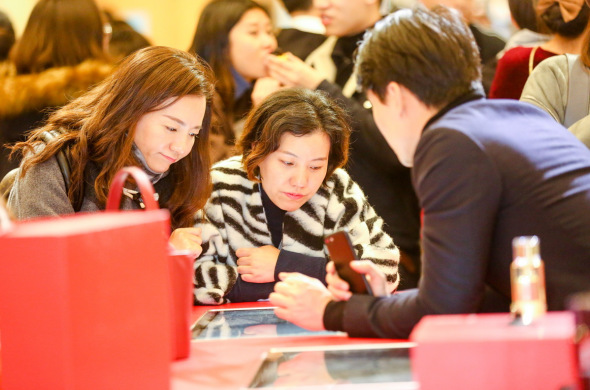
{"x": 172, "y": 23}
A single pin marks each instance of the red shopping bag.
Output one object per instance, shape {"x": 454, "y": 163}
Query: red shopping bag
{"x": 181, "y": 264}
{"x": 84, "y": 302}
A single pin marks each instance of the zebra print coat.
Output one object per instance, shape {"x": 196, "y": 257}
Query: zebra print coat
{"x": 234, "y": 218}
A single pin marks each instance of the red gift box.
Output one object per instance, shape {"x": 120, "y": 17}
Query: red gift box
{"x": 85, "y": 304}
{"x": 180, "y": 264}
{"x": 485, "y": 351}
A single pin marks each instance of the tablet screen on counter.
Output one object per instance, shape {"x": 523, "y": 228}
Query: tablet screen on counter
{"x": 257, "y": 322}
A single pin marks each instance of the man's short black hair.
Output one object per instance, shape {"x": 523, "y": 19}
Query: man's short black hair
{"x": 431, "y": 53}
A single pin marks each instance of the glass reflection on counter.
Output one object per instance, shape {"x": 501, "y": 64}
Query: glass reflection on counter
{"x": 373, "y": 363}
{"x": 256, "y": 322}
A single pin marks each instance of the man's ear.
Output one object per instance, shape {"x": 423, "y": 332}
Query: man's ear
{"x": 406, "y": 100}
{"x": 393, "y": 96}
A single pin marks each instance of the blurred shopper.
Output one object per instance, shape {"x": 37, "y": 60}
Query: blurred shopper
{"x": 485, "y": 171}
{"x": 306, "y": 32}
{"x": 135, "y": 117}
{"x": 488, "y": 42}
{"x": 235, "y": 37}
{"x": 568, "y": 24}
{"x": 560, "y": 86}
{"x": 60, "y": 55}
{"x": 372, "y": 164}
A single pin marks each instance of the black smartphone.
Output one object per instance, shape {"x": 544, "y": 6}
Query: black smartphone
{"x": 342, "y": 253}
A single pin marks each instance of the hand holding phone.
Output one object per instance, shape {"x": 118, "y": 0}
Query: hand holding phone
{"x": 342, "y": 253}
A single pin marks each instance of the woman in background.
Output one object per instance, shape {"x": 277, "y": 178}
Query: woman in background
{"x": 272, "y": 206}
{"x": 60, "y": 55}
{"x": 524, "y": 18}
{"x": 568, "y": 24}
{"x": 235, "y": 37}
{"x": 135, "y": 117}
{"x": 560, "y": 86}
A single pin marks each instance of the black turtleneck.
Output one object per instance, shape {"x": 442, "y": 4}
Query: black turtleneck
{"x": 274, "y": 218}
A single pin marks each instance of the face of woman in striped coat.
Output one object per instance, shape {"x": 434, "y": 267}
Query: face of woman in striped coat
{"x": 293, "y": 173}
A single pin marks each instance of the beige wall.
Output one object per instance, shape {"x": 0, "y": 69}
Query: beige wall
{"x": 18, "y": 11}
{"x": 168, "y": 22}
{"x": 164, "y": 22}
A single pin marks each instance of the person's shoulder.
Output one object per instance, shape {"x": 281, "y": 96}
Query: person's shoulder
{"x": 478, "y": 115}
{"x": 340, "y": 182}
{"x": 230, "y": 170}
{"x": 42, "y": 173}
{"x": 339, "y": 176}
{"x": 558, "y": 63}
{"x": 231, "y": 162}
{"x": 487, "y": 121}
{"x": 494, "y": 110}
{"x": 551, "y": 74}
{"x": 516, "y": 54}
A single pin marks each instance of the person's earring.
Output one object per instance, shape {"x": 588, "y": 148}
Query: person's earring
{"x": 107, "y": 33}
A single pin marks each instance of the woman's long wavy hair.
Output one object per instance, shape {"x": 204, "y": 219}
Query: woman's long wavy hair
{"x": 211, "y": 42}
{"x": 100, "y": 127}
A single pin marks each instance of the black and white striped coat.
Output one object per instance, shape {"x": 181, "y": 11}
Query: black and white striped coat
{"x": 235, "y": 218}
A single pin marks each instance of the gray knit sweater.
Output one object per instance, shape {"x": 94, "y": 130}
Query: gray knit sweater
{"x": 42, "y": 193}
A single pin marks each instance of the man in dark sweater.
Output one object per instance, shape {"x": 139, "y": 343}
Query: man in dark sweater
{"x": 372, "y": 164}
{"x": 484, "y": 172}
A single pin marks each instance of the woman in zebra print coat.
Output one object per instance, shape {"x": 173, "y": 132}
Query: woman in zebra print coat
{"x": 272, "y": 206}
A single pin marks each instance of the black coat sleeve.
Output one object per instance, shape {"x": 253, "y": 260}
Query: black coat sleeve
{"x": 460, "y": 191}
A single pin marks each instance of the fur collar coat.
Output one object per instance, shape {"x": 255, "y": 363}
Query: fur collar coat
{"x": 27, "y": 99}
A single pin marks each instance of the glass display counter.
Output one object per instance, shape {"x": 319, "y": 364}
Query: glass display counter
{"x": 327, "y": 365}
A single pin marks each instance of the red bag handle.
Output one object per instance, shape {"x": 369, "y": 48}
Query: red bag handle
{"x": 146, "y": 189}
{"x": 6, "y": 224}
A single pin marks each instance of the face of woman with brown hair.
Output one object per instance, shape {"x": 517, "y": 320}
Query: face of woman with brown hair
{"x": 167, "y": 135}
{"x": 251, "y": 40}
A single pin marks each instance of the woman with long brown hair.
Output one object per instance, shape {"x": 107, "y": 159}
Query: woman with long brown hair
{"x": 152, "y": 112}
